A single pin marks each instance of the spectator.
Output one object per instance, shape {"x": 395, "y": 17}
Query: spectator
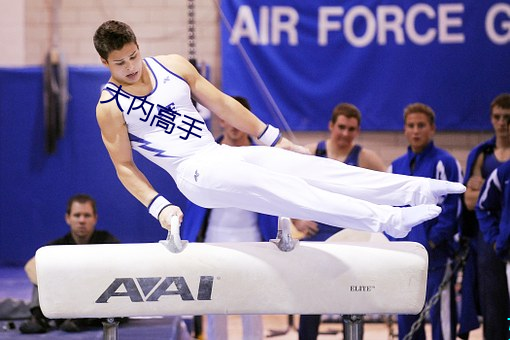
{"x": 81, "y": 217}
{"x": 424, "y": 159}
{"x": 344, "y": 128}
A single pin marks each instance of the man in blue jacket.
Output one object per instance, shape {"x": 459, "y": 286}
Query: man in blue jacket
{"x": 424, "y": 159}
{"x": 493, "y": 212}
{"x": 229, "y": 225}
{"x": 484, "y": 277}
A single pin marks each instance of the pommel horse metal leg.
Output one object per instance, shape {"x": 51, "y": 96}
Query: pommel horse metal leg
{"x": 353, "y": 327}
{"x": 110, "y": 329}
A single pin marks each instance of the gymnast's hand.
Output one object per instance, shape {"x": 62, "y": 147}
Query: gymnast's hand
{"x": 286, "y": 144}
{"x": 166, "y": 215}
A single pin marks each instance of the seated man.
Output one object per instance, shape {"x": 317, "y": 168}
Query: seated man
{"x": 81, "y": 216}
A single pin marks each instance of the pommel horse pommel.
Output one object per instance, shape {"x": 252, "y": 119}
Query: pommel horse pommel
{"x": 353, "y": 277}
{"x": 173, "y": 240}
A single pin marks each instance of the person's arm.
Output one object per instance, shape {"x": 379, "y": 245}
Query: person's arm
{"x": 368, "y": 159}
{"x": 447, "y": 222}
{"x": 474, "y": 184}
{"x": 30, "y": 270}
{"x": 115, "y": 137}
{"x": 312, "y": 148}
{"x": 488, "y": 209}
{"x": 224, "y": 106}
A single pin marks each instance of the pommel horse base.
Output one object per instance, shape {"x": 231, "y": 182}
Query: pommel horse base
{"x": 153, "y": 279}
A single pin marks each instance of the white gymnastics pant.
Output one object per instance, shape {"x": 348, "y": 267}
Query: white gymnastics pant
{"x": 278, "y": 182}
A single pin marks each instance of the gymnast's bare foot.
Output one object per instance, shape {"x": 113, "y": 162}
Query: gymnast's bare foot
{"x": 412, "y": 216}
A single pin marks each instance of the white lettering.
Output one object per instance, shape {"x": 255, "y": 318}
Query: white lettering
{"x": 284, "y": 19}
{"x": 413, "y": 35}
{"x": 264, "y": 25}
{"x": 273, "y": 23}
{"x": 445, "y": 22}
{"x": 369, "y": 34}
{"x": 422, "y": 24}
{"x": 384, "y": 14}
{"x": 325, "y": 25}
{"x": 244, "y": 26}
{"x": 490, "y": 23}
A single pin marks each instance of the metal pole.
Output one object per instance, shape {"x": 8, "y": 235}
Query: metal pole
{"x": 110, "y": 329}
{"x": 353, "y": 327}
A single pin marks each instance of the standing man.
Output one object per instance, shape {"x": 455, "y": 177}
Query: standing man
{"x": 344, "y": 127}
{"x": 81, "y": 217}
{"x": 230, "y": 225}
{"x": 424, "y": 159}
{"x": 483, "y": 268}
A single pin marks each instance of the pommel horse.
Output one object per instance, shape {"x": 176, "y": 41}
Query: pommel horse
{"x": 173, "y": 277}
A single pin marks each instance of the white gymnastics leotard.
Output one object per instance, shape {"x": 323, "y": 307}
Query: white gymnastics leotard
{"x": 165, "y": 127}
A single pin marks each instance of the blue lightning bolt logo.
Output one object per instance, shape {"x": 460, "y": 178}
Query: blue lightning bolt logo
{"x": 143, "y": 144}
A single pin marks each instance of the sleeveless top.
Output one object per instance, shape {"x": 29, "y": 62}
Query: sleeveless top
{"x": 164, "y": 126}
{"x": 490, "y": 162}
{"x": 351, "y": 159}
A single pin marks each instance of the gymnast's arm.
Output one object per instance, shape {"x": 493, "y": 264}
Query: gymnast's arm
{"x": 224, "y": 106}
{"x": 115, "y": 138}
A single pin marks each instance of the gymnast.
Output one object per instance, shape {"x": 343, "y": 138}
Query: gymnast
{"x": 147, "y": 106}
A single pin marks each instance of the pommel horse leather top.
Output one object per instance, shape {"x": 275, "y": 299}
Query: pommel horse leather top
{"x": 337, "y": 276}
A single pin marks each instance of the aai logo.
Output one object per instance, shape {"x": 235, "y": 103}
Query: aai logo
{"x": 152, "y": 288}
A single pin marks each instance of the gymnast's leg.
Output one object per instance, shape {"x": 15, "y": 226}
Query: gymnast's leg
{"x": 331, "y": 175}
{"x": 214, "y": 182}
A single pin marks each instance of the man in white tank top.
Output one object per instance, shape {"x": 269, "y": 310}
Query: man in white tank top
{"x": 137, "y": 111}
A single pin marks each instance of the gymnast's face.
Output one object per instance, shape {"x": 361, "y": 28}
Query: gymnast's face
{"x": 82, "y": 221}
{"x": 344, "y": 131}
{"x": 125, "y": 64}
{"x": 419, "y": 131}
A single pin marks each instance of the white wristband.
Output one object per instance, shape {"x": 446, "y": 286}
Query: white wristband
{"x": 270, "y": 136}
{"x": 157, "y": 205}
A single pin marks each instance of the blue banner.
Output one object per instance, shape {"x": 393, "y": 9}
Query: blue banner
{"x": 295, "y": 60}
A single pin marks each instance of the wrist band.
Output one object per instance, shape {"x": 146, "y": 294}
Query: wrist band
{"x": 157, "y": 205}
{"x": 270, "y": 136}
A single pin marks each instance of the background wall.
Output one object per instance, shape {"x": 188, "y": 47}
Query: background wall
{"x": 35, "y": 185}
{"x": 161, "y": 27}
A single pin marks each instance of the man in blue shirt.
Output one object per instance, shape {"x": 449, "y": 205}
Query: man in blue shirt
{"x": 424, "y": 159}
